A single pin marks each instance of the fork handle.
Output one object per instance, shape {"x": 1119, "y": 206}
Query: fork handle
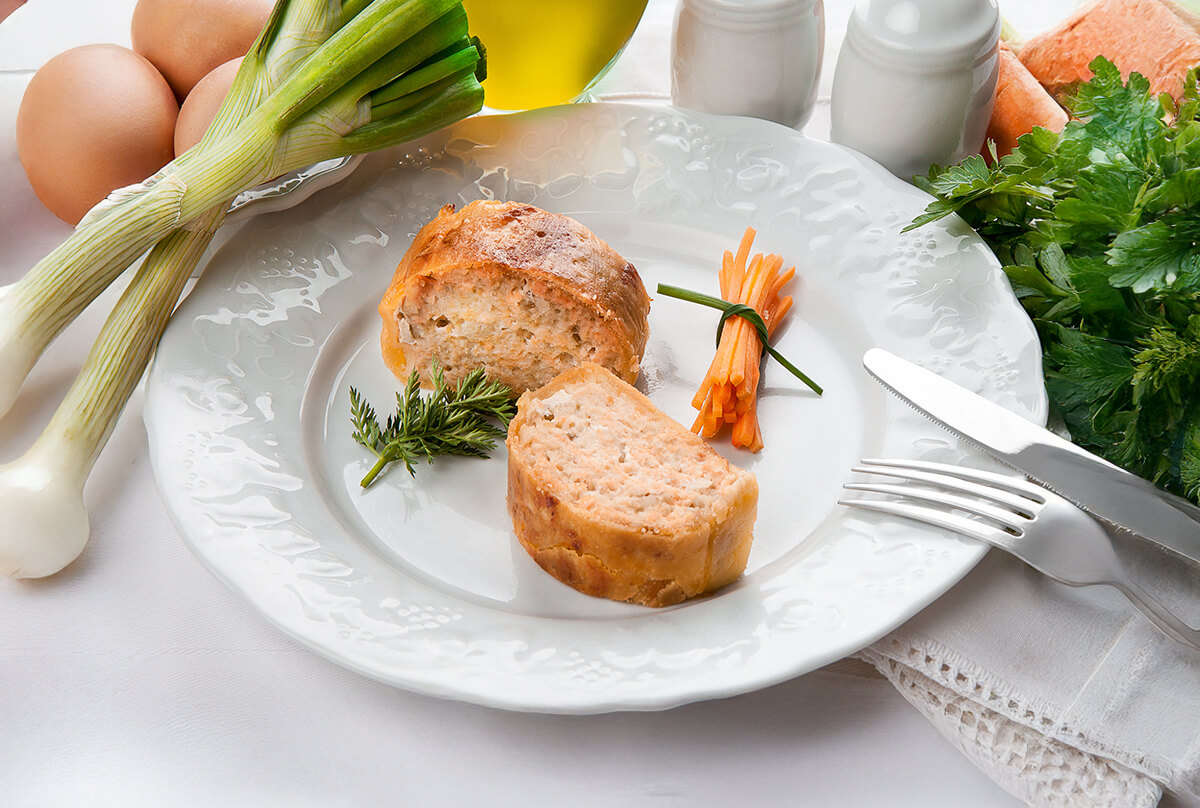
{"x": 1159, "y": 614}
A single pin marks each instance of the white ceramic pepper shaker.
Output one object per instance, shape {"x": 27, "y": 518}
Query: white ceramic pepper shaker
{"x": 915, "y": 81}
{"x": 760, "y": 58}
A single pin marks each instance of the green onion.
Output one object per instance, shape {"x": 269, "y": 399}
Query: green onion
{"x": 320, "y": 109}
{"x": 320, "y": 82}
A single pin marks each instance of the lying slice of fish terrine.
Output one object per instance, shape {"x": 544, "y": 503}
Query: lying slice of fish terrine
{"x": 618, "y": 500}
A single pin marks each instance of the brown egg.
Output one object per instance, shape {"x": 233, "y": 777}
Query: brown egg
{"x": 186, "y": 39}
{"x": 93, "y": 118}
{"x": 201, "y": 105}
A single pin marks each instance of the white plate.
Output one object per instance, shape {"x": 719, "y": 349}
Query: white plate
{"x": 420, "y": 582}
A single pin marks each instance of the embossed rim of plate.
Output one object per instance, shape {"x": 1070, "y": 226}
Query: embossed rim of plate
{"x": 310, "y": 582}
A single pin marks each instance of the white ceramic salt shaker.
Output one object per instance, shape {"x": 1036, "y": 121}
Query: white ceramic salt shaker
{"x": 915, "y": 81}
{"x": 760, "y": 58}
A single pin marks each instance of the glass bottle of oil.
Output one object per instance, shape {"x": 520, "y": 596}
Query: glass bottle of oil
{"x": 546, "y": 52}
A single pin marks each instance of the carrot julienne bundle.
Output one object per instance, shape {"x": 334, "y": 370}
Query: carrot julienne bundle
{"x": 728, "y": 393}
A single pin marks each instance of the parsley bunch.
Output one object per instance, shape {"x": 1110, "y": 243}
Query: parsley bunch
{"x": 1098, "y": 229}
{"x": 448, "y": 421}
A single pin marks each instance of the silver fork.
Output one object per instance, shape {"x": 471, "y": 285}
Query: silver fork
{"x": 1032, "y": 523}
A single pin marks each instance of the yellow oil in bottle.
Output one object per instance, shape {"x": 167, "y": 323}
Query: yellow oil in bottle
{"x": 545, "y": 52}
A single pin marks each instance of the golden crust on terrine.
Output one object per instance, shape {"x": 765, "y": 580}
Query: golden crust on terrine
{"x": 516, "y": 290}
{"x": 613, "y": 497}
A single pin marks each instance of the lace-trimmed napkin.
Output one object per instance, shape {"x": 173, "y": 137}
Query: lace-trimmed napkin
{"x": 1064, "y": 697}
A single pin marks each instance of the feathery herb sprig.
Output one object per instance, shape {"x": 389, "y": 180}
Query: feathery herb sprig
{"x": 449, "y": 420}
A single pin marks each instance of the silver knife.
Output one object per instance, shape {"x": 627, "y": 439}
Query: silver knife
{"x": 1092, "y": 483}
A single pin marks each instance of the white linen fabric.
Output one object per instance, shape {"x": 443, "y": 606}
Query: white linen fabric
{"x": 1062, "y": 697}
{"x": 1036, "y": 768}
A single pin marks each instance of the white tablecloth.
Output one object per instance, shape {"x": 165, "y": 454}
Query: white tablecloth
{"x": 135, "y": 678}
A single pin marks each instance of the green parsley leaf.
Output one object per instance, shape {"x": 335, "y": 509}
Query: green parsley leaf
{"x": 1159, "y": 255}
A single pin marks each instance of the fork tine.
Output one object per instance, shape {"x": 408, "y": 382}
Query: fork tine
{"x": 1007, "y": 519}
{"x": 933, "y": 516}
{"x": 1019, "y": 495}
{"x": 1006, "y": 482}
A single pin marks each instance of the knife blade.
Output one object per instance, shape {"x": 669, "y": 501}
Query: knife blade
{"x": 1093, "y": 484}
